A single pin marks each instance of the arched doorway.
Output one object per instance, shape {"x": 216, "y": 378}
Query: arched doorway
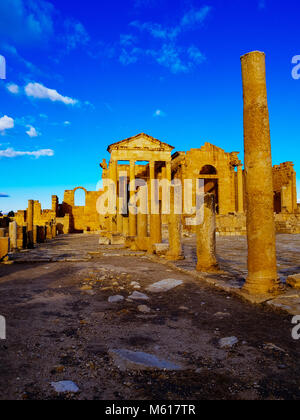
{"x": 277, "y": 202}
{"x": 211, "y": 183}
{"x": 79, "y": 197}
{"x": 79, "y": 210}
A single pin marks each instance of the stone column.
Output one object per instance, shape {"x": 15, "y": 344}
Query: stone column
{"x": 262, "y": 269}
{"x": 13, "y": 235}
{"x": 30, "y": 242}
{"x": 240, "y": 189}
{"x": 55, "y": 204}
{"x": 206, "y": 236}
{"x": 35, "y": 234}
{"x": 174, "y": 222}
{"x": 169, "y": 171}
{"x": 125, "y": 226}
{"x": 175, "y": 231}
{"x": 119, "y": 208}
{"x": 155, "y": 219}
{"x": 142, "y": 217}
{"x": 54, "y": 229}
{"x": 21, "y": 237}
{"x": 119, "y": 205}
{"x": 113, "y": 175}
{"x": 49, "y": 231}
{"x": 132, "y": 217}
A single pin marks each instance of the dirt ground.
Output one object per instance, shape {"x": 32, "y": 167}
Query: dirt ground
{"x": 60, "y": 326}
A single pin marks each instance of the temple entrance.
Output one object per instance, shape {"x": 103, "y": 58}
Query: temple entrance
{"x": 277, "y": 202}
{"x": 211, "y": 183}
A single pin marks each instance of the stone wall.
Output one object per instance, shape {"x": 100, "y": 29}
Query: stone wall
{"x": 285, "y": 189}
{"x": 216, "y": 168}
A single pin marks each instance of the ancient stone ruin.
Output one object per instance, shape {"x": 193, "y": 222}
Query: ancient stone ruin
{"x": 152, "y": 198}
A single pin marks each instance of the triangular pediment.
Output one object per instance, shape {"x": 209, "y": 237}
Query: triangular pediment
{"x": 141, "y": 142}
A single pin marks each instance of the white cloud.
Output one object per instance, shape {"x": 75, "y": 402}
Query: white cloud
{"x": 76, "y": 35}
{"x": 6, "y": 123}
{"x": 34, "y": 17}
{"x": 191, "y": 19}
{"x": 164, "y": 43}
{"x": 196, "y": 55}
{"x": 38, "y": 91}
{"x": 194, "y": 17}
{"x": 11, "y": 153}
{"x": 13, "y": 88}
{"x": 67, "y": 123}
{"x": 127, "y": 40}
{"x": 156, "y": 30}
{"x": 32, "y": 132}
{"x": 159, "y": 113}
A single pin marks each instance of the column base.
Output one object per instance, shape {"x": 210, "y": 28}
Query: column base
{"x": 174, "y": 257}
{"x": 103, "y": 240}
{"x": 160, "y": 249}
{"x": 117, "y": 239}
{"x": 142, "y": 243}
{"x": 262, "y": 286}
{"x": 212, "y": 268}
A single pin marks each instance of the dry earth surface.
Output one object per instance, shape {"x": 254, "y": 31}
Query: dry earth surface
{"x": 61, "y": 326}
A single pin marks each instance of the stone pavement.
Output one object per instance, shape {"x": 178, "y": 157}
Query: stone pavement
{"x": 118, "y": 325}
{"x": 231, "y": 253}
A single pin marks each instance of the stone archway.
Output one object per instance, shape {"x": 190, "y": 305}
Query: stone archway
{"x": 74, "y": 192}
{"x": 211, "y": 182}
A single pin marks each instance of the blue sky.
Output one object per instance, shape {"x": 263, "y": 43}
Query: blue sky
{"x": 82, "y": 75}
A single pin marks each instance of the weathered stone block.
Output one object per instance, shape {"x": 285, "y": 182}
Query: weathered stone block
{"x": 160, "y": 249}
{"x": 2, "y": 233}
{"x": 4, "y": 247}
{"x": 117, "y": 239}
{"x": 104, "y": 241}
{"x": 294, "y": 281}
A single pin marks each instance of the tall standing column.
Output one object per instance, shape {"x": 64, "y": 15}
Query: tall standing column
{"x": 155, "y": 217}
{"x": 13, "y": 235}
{"x": 142, "y": 217}
{"x": 174, "y": 222}
{"x": 206, "y": 236}
{"x": 132, "y": 217}
{"x": 240, "y": 189}
{"x": 113, "y": 174}
{"x": 262, "y": 269}
{"x": 119, "y": 206}
{"x": 30, "y": 242}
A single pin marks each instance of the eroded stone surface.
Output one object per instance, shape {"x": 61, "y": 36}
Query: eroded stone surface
{"x": 65, "y": 387}
{"x": 294, "y": 281}
{"x": 127, "y": 359}
{"x": 115, "y": 299}
{"x": 228, "y": 342}
{"x": 138, "y": 296}
{"x": 164, "y": 285}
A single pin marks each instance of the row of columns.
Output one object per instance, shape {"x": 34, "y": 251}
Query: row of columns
{"x": 262, "y": 268}
{"x": 136, "y": 225}
{"x": 262, "y": 264}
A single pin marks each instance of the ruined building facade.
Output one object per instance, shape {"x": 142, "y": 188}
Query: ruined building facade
{"x": 147, "y": 158}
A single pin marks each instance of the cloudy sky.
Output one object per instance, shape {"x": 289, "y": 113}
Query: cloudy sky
{"x": 82, "y": 75}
